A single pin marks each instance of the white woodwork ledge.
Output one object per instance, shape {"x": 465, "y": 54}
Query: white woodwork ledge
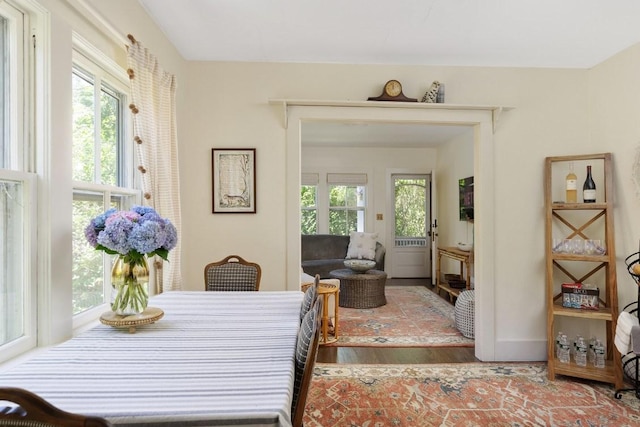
{"x": 496, "y": 110}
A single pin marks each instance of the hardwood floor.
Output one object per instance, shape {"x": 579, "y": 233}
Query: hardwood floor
{"x": 407, "y": 355}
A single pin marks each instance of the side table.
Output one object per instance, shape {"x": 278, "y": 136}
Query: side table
{"x": 465, "y": 258}
{"x": 361, "y": 290}
{"x": 325, "y": 290}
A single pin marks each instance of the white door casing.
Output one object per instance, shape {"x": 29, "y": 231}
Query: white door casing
{"x": 434, "y": 228}
{"x": 482, "y": 121}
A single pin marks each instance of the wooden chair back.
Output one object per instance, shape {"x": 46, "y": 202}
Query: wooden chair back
{"x": 232, "y": 274}
{"x": 310, "y": 296}
{"x": 305, "y": 361}
{"x": 28, "y": 409}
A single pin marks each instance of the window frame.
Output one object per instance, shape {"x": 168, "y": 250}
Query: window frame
{"x": 89, "y": 61}
{"x": 29, "y": 253}
{"x": 357, "y": 209}
{"x": 19, "y": 83}
{"x": 18, "y": 166}
{"x": 324, "y": 180}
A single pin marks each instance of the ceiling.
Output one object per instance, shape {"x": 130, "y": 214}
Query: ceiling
{"x": 497, "y": 33}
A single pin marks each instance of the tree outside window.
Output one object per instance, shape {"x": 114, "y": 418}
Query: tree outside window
{"x": 309, "y": 209}
{"x": 346, "y": 209}
{"x": 100, "y": 158}
{"x": 410, "y": 208}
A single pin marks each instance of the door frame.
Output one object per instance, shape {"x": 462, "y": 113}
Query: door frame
{"x": 481, "y": 119}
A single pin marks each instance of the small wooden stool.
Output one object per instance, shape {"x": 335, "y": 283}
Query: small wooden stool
{"x": 326, "y": 290}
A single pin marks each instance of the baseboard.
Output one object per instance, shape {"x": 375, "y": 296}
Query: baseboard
{"x": 521, "y": 350}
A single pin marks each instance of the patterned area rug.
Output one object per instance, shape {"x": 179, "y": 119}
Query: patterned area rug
{"x": 414, "y": 316}
{"x": 475, "y": 394}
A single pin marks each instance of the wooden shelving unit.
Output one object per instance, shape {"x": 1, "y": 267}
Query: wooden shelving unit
{"x": 578, "y": 219}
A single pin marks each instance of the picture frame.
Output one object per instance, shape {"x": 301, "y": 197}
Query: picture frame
{"x": 233, "y": 180}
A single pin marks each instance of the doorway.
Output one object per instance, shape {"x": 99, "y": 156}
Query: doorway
{"x": 410, "y": 245}
{"x": 480, "y": 118}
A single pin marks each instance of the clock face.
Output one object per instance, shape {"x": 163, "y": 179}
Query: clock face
{"x": 393, "y": 88}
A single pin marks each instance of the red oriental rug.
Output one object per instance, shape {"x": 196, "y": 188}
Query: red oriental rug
{"x": 414, "y": 316}
{"x": 474, "y": 394}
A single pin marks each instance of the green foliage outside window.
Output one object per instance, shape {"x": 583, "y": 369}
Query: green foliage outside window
{"x": 109, "y": 126}
{"x": 309, "y": 214}
{"x": 83, "y": 130}
{"x": 103, "y": 168}
{"x": 88, "y": 271}
{"x": 410, "y": 208}
{"x": 84, "y": 144}
{"x": 344, "y": 209}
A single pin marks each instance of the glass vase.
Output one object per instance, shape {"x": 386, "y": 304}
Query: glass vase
{"x": 129, "y": 282}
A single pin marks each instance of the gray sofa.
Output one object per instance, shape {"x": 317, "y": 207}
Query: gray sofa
{"x": 322, "y": 253}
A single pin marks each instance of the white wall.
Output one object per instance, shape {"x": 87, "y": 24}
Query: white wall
{"x": 455, "y": 161}
{"x": 556, "y": 112}
{"x": 614, "y": 103}
{"x": 550, "y": 117}
{"x": 376, "y": 162}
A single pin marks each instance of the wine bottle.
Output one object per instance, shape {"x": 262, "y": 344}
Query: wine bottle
{"x": 571, "y": 187}
{"x": 589, "y": 188}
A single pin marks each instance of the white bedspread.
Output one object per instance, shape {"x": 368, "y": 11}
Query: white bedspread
{"x": 215, "y": 358}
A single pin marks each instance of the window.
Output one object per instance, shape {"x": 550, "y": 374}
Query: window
{"x": 347, "y": 202}
{"x": 410, "y": 204}
{"x": 17, "y": 189}
{"x": 5, "y": 81}
{"x": 102, "y": 171}
{"x": 337, "y": 207}
{"x": 346, "y": 209}
{"x": 309, "y": 203}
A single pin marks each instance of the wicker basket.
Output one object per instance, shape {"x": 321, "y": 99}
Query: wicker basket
{"x": 464, "y": 312}
{"x": 361, "y": 290}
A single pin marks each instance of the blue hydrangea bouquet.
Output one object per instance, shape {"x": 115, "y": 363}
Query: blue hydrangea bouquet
{"x": 133, "y": 235}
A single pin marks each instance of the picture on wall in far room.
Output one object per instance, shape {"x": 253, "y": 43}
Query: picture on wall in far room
{"x": 234, "y": 180}
{"x": 466, "y": 198}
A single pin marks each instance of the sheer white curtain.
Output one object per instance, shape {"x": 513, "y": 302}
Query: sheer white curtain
{"x": 153, "y": 93}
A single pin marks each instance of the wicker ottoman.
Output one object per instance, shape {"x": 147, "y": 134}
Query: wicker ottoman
{"x": 361, "y": 290}
{"x": 464, "y": 311}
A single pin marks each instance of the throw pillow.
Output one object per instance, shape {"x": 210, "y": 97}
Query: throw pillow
{"x": 362, "y": 245}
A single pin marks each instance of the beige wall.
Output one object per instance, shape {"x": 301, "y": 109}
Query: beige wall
{"x": 556, "y": 112}
{"x": 455, "y": 161}
{"x": 614, "y": 103}
{"x": 376, "y": 162}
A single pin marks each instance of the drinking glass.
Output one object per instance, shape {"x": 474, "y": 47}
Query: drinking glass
{"x": 577, "y": 246}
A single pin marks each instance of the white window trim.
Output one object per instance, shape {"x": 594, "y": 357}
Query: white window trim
{"x": 30, "y": 20}
{"x": 326, "y": 178}
{"x": 17, "y": 52}
{"x": 103, "y": 68}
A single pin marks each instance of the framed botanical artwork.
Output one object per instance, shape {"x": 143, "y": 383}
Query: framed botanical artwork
{"x": 234, "y": 180}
